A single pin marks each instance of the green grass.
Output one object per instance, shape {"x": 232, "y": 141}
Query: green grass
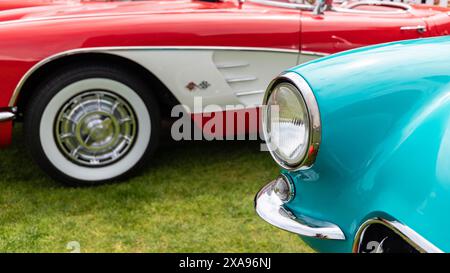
{"x": 193, "y": 197}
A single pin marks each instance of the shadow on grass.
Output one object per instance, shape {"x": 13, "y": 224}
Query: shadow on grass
{"x": 194, "y": 196}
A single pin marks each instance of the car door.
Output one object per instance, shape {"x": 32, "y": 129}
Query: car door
{"x": 360, "y": 24}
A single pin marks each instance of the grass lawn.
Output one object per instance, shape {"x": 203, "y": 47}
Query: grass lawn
{"x": 193, "y": 197}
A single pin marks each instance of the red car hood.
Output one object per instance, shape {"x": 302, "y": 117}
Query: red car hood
{"x": 15, "y": 4}
{"x": 36, "y": 9}
{"x": 47, "y": 9}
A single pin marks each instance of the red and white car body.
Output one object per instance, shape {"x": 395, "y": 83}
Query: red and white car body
{"x": 233, "y": 48}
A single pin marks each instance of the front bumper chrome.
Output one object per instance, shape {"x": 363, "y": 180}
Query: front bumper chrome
{"x": 270, "y": 208}
{"x": 7, "y": 115}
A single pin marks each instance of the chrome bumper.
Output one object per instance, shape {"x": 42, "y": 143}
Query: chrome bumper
{"x": 270, "y": 208}
{"x": 7, "y": 115}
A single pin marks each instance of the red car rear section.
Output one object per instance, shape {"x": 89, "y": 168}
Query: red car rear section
{"x": 33, "y": 31}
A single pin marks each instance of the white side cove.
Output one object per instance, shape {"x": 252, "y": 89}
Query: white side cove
{"x": 220, "y": 76}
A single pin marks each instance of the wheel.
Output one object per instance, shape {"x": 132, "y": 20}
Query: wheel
{"x": 90, "y": 125}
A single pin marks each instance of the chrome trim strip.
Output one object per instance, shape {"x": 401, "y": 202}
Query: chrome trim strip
{"x": 248, "y": 93}
{"x": 284, "y": 5}
{"x": 49, "y": 59}
{"x": 315, "y": 134}
{"x": 409, "y": 235}
{"x": 241, "y": 79}
{"x": 270, "y": 208}
{"x": 418, "y": 28}
{"x": 231, "y": 65}
{"x": 314, "y": 53}
{"x": 7, "y": 116}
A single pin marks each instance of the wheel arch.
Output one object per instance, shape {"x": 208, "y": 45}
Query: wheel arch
{"x": 43, "y": 70}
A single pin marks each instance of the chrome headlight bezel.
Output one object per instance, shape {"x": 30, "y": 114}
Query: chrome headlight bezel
{"x": 315, "y": 125}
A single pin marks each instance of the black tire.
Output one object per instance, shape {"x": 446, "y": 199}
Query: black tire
{"x": 46, "y": 98}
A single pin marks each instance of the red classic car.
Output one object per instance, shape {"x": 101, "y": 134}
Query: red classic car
{"x": 92, "y": 80}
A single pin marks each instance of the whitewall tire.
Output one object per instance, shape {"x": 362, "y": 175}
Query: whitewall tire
{"x": 92, "y": 125}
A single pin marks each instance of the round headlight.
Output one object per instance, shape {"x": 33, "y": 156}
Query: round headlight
{"x": 291, "y": 130}
{"x": 287, "y": 124}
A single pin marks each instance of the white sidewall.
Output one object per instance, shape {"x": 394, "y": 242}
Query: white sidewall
{"x": 116, "y": 169}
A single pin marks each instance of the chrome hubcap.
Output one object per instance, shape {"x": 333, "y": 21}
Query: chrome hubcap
{"x": 95, "y": 128}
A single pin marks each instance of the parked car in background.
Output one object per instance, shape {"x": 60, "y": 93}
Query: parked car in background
{"x": 364, "y": 142}
{"x": 91, "y": 80}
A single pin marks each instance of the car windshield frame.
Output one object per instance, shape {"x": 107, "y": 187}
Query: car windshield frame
{"x": 343, "y": 7}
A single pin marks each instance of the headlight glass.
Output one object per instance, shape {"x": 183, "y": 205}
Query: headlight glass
{"x": 286, "y": 125}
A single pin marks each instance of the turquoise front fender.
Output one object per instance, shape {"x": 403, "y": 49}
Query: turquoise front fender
{"x": 385, "y": 148}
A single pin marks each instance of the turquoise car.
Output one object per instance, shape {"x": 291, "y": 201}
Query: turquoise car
{"x": 363, "y": 140}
